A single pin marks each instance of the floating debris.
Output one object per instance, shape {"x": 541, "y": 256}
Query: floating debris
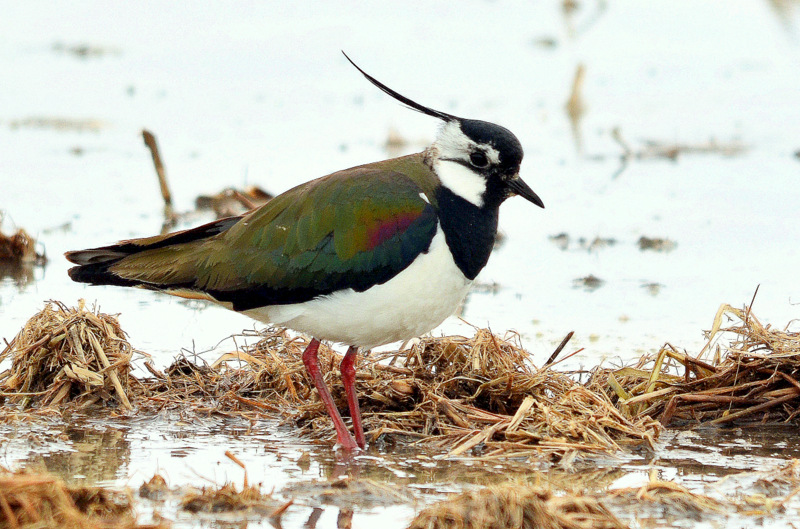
{"x": 656, "y": 244}
{"x": 20, "y": 249}
{"x": 754, "y": 381}
{"x": 589, "y": 283}
{"x": 18, "y": 256}
{"x": 85, "y": 51}
{"x": 671, "y": 151}
{"x": 59, "y": 124}
{"x": 231, "y": 202}
{"x": 672, "y": 499}
{"x": 349, "y": 493}
{"x": 515, "y": 505}
{"x": 227, "y": 499}
{"x": 561, "y": 240}
{"x": 68, "y": 354}
{"x": 652, "y": 288}
{"x": 155, "y": 489}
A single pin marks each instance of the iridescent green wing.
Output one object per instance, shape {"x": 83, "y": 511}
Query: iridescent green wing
{"x": 352, "y": 229}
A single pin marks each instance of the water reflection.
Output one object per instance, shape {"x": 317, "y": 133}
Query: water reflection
{"x": 97, "y": 456}
{"x": 20, "y": 274}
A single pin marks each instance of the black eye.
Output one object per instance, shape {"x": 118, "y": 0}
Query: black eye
{"x": 478, "y": 159}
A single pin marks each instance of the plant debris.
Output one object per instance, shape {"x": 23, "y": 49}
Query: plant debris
{"x": 589, "y": 283}
{"x": 656, "y": 244}
{"x": 754, "y": 381}
{"x": 231, "y": 202}
{"x": 155, "y": 488}
{"x": 673, "y": 499}
{"x": 514, "y": 505}
{"x": 227, "y": 499}
{"x": 20, "y": 249}
{"x": 477, "y": 396}
{"x": 349, "y": 493}
{"x": 32, "y": 501}
{"x": 68, "y": 354}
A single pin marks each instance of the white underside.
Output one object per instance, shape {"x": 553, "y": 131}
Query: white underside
{"x": 415, "y": 301}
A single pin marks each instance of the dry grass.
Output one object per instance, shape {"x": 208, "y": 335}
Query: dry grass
{"x": 18, "y": 256}
{"x": 67, "y": 354}
{"x": 512, "y": 505}
{"x": 20, "y": 248}
{"x": 475, "y": 396}
{"x": 755, "y": 379}
{"x": 468, "y": 396}
{"x": 37, "y": 501}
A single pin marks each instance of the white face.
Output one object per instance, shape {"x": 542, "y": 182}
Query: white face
{"x": 453, "y": 166}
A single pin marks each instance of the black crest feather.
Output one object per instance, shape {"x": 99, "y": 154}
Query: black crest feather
{"x": 403, "y": 99}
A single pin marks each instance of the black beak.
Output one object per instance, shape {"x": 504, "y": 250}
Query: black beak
{"x": 519, "y": 187}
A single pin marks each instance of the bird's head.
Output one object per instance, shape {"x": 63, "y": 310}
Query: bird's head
{"x": 477, "y": 160}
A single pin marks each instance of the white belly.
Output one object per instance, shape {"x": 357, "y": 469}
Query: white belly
{"x": 412, "y": 303}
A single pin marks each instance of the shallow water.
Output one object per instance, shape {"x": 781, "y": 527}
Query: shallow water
{"x": 259, "y": 94}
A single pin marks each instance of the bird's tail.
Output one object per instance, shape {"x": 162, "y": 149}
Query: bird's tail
{"x": 163, "y": 262}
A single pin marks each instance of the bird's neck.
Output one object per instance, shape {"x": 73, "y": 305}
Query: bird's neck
{"x": 469, "y": 230}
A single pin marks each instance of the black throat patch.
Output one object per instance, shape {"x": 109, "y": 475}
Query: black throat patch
{"x": 470, "y": 231}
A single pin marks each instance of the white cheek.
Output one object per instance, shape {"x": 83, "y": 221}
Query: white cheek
{"x": 461, "y": 181}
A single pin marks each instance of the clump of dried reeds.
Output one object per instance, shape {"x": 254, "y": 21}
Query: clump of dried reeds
{"x": 67, "y": 354}
{"x": 454, "y": 393}
{"x": 756, "y": 379}
{"x": 29, "y": 501}
{"x": 20, "y": 248}
{"x": 512, "y": 505}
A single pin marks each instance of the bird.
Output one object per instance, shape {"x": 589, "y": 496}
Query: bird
{"x": 365, "y": 256}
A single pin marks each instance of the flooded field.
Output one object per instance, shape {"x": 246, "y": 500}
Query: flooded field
{"x": 663, "y": 137}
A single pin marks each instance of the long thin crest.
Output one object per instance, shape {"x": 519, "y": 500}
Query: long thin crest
{"x": 403, "y": 99}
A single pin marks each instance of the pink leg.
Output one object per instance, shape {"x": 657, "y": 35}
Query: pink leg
{"x": 348, "y": 368}
{"x": 311, "y": 362}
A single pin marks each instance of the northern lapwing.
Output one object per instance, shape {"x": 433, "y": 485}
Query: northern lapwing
{"x": 366, "y": 256}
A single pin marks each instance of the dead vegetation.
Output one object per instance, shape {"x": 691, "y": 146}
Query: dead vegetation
{"x": 67, "y": 354}
{"x": 19, "y": 255}
{"x": 19, "y": 249}
{"x": 350, "y": 493}
{"x": 231, "y": 201}
{"x": 33, "y": 501}
{"x": 513, "y": 505}
{"x": 475, "y": 396}
{"x": 670, "y": 498}
{"x": 226, "y": 498}
{"x": 754, "y": 379}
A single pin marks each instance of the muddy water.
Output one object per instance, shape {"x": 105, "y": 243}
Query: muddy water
{"x": 688, "y": 132}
